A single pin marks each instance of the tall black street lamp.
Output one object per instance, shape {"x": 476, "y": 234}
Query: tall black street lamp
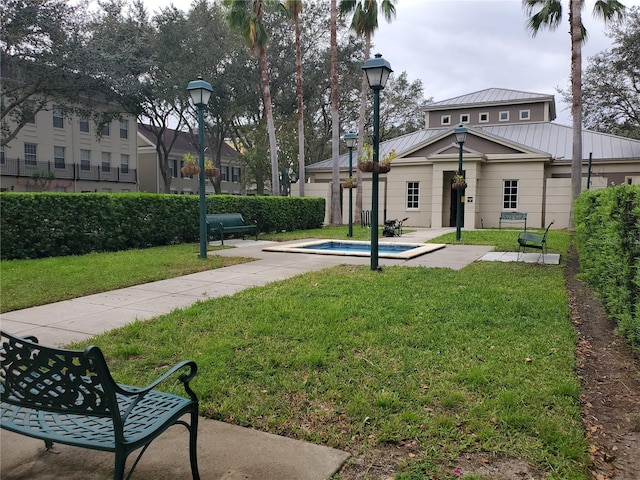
{"x": 377, "y": 70}
{"x": 350, "y": 140}
{"x": 461, "y": 136}
{"x": 200, "y": 92}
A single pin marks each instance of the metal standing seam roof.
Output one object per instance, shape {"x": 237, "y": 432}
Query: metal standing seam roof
{"x": 488, "y": 96}
{"x": 547, "y": 137}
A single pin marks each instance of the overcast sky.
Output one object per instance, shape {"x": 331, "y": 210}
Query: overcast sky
{"x": 462, "y": 46}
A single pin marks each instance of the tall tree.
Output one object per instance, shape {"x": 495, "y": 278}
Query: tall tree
{"x": 611, "y": 82}
{"x": 365, "y": 22}
{"x": 246, "y": 17}
{"x": 336, "y": 212}
{"x": 548, "y": 14}
{"x": 294, "y": 9}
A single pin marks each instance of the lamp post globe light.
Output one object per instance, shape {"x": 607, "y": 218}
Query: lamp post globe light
{"x": 377, "y": 70}
{"x": 200, "y": 92}
{"x": 461, "y": 136}
{"x": 350, "y": 139}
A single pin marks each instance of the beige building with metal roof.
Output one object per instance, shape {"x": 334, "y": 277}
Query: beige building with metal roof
{"x": 515, "y": 159}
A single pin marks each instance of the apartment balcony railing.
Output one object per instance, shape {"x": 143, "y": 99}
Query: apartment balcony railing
{"x": 17, "y": 167}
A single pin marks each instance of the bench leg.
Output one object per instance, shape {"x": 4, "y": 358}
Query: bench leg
{"x": 193, "y": 450}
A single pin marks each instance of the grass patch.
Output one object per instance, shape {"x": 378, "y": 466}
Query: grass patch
{"x": 27, "y": 283}
{"x": 456, "y": 361}
{"x": 506, "y": 240}
{"x": 340, "y": 232}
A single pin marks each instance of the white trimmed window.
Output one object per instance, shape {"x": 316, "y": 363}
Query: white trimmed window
{"x": 85, "y": 160}
{"x": 525, "y": 114}
{"x": 84, "y": 125}
{"x": 106, "y": 129}
{"x": 483, "y": 117}
{"x": 235, "y": 174}
{"x": 124, "y": 128}
{"x": 58, "y": 119}
{"x": 445, "y": 120}
{"x": 31, "y": 154}
{"x": 413, "y": 195}
{"x": 503, "y": 116}
{"x": 510, "y": 194}
{"x": 173, "y": 169}
{"x": 464, "y": 118}
{"x": 106, "y": 161}
{"x": 224, "y": 173}
{"x": 58, "y": 157}
{"x": 124, "y": 163}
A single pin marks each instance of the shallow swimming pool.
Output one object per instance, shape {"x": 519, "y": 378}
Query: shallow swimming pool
{"x": 357, "y": 249}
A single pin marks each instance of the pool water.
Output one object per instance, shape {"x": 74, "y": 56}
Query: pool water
{"x": 359, "y": 249}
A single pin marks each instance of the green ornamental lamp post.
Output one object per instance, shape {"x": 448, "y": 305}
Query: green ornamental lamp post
{"x": 350, "y": 140}
{"x": 461, "y": 136}
{"x": 377, "y": 70}
{"x": 200, "y": 92}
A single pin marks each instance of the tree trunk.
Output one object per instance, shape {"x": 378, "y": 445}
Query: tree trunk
{"x": 336, "y": 214}
{"x": 301, "y": 162}
{"x": 364, "y": 89}
{"x": 575, "y": 19}
{"x": 268, "y": 110}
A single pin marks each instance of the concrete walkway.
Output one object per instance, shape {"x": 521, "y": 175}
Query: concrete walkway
{"x": 225, "y": 452}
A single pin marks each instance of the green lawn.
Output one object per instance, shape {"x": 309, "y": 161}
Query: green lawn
{"x": 476, "y": 360}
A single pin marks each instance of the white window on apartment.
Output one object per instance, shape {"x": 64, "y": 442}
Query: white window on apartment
{"x": 31, "y": 154}
{"x": 85, "y": 160}
{"x": 106, "y": 162}
{"x": 503, "y": 116}
{"x": 2, "y": 155}
{"x": 510, "y": 195}
{"x": 124, "y": 163}
{"x": 106, "y": 129}
{"x": 525, "y": 114}
{"x": 464, "y": 118}
{"x": 84, "y": 125}
{"x": 124, "y": 128}
{"x": 483, "y": 117}
{"x": 224, "y": 173}
{"x": 29, "y": 111}
{"x": 58, "y": 157}
{"x": 173, "y": 168}
{"x": 445, "y": 120}
{"x": 58, "y": 118}
{"x": 413, "y": 195}
{"x": 235, "y": 174}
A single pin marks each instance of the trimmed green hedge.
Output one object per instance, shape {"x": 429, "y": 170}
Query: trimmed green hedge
{"x": 608, "y": 239}
{"x": 36, "y": 225}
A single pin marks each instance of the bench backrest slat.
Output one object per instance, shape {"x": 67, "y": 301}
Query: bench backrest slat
{"x": 227, "y": 219}
{"x": 45, "y": 378}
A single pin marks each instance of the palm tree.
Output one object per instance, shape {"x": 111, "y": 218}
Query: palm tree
{"x": 294, "y": 8}
{"x": 336, "y": 213}
{"x": 245, "y": 16}
{"x": 548, "y": 14}
{"x": 365, "y": 23}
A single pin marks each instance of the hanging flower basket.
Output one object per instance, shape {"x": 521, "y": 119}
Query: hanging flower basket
{"x": 190, "y": 170}
{"x": 374, "y": 167}
{"x": 459, "y": 182}
{"x": 211, "y": 172}
{"x": 350, "y": 183}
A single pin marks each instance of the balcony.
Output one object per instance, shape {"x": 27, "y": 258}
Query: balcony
{"x": 17, "y": 167}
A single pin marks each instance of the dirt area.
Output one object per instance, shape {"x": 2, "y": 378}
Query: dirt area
{"x": 610, "y": 375}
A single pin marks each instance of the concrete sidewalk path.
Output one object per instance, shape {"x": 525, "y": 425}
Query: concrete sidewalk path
{"x": 225, "y": 452}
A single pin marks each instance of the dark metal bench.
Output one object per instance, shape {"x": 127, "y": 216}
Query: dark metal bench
{"x": 531, "y": 240}
{"x": 70, "y": 397}
{"x": 513, "y": 217}
{"x": 229, "y": 223}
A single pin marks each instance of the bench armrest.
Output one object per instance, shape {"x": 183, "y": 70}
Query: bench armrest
{"x": 185, "y": 378}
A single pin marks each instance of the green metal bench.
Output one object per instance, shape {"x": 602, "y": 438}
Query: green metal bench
{"x": 70, "y": 397}
{"x": 532, "y": 240}
{"x": 219, "y": 224}
{"x": 519, "y": 217}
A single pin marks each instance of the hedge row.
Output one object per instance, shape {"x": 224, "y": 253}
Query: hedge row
{"x": 608, "y": 239}
{"x": 36, "y": 225}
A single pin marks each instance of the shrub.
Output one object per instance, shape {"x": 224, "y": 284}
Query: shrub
{"x": 36, "y": 225}
{"x": 608, "y": 240}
